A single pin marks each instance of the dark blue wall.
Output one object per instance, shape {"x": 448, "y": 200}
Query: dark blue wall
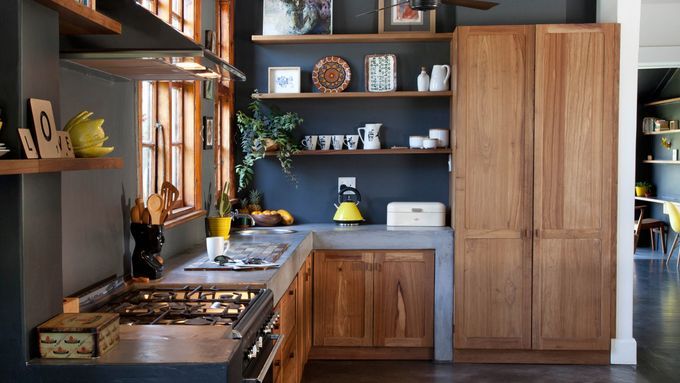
{"x": 381, "y": 179}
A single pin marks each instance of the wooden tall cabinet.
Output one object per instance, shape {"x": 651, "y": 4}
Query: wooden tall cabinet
{"x": 535, "y": 111}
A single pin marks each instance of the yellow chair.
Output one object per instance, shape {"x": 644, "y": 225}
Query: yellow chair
{"x": 674, "y": 215}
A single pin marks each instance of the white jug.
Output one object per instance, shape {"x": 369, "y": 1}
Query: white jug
{"x": 439, "y": 81}
{"x": 369, "y": 137}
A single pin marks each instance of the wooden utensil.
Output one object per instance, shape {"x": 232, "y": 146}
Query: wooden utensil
{"x": 146, "y": 217}
{"x": 170, "y": 195}
{"x": 155, "y": 206}
{"x": 137, "y": 211}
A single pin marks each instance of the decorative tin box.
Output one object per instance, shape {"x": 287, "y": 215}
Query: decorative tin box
{"x": 78, "y": 335}
{"x": 416, "y": 214}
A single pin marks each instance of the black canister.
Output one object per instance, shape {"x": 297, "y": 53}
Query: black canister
{"x": 146, "y": 258}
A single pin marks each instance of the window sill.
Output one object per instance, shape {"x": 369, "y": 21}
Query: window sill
{"x": 184, "y": 218}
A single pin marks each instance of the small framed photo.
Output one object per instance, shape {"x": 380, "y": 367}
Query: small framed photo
{"x": 381, "y": 73}
{"x": 284, "y": 79}
{"x": 210, "y": 41}
{"x": 299, "y": 17}
{"x": 402, "y": 18}
{"x": 208, "y": 132}
{"x": 209, "y": 89}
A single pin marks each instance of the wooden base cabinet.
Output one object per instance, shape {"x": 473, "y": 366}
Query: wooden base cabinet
{"x": 373, "y": 300}
{"x": 535, "y": 111}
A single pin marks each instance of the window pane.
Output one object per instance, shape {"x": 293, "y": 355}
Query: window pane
{"x": 147, "y": 173}
{"x": 176, "y": 115}
{"x": 148, "y": 4}
{"x": 188, "y": 17}
{"x": 176, "y": 22}
{"x": 177, "y": 168}
{"x": 147, "y": 112}
{"x": 177, "y": 6}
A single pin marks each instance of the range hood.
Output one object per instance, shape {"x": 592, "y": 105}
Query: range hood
{"x": 147, "y": 49}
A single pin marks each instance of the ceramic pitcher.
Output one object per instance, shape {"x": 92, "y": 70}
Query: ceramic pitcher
{"x": 369, "y": 136}
{"x": 439, "y": 81}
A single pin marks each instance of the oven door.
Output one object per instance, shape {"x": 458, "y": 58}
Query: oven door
{"x": 259, "y": 370}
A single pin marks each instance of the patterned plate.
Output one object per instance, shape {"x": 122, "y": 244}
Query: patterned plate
{"x": 331, "y": 74}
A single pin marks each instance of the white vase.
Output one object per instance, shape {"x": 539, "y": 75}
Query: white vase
{"x": 423, "y": 81}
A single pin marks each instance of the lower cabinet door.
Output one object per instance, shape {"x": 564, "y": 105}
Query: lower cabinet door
{"x": 289, "y": 359}
{"x": 404, "y": 298}
{"x": 343, "y": 298}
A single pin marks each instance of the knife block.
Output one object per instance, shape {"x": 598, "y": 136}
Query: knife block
{"x": 146, "y": 257}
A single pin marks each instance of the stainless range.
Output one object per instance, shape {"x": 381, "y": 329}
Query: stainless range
{"x": 249, "y": 312}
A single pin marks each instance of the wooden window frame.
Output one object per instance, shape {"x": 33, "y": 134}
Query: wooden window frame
{"x": 224, "y": 105}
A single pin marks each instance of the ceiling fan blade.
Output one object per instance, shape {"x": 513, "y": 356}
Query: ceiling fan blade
{"x": 476, "y": 4}
{"x": 383, "y": 8}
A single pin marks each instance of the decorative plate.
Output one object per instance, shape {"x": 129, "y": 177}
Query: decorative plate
{"x": 381, "y": 73}
{"x": 331, "y": 74}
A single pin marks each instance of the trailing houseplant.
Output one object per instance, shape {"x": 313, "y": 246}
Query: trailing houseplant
{"x": 265, "y": 131}
{"x": 220, "y": 225}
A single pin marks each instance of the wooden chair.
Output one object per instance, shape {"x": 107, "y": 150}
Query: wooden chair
{"x": 654, "y": 226}
{"x": 674, "y": 216}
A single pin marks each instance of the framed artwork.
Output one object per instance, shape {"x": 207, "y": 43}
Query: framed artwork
{"x": 297, "y": 17}
{"x": 208, "y": 132}
{"x": 210, "y": 41}
{"x": 44, "y": 128}
{"x": 208, "y": 89}
{"x": 284, "y": 80}
{"x": 402, "y": 18}
{"x": 381, "y": 73}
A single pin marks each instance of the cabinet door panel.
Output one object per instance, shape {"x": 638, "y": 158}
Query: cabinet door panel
{"x": 343, "y": 298}
{"x": 494, "y": 155}
{"x": 575, "y": 185}
{"x": 308, "y": 278}
{"x": 404, "y": 298}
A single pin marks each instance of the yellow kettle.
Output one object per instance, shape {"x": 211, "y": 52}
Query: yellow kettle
{"x": 348, "y": 213}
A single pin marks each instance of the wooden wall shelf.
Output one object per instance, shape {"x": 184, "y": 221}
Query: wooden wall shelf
{"x": 361, "y": 152}
{"x": 353, "y": 38}
{"x": 310, "y": 95}
{"x": 667, "y": 101}
{"x": 58, "y": 165}
{"x": 661, "y": 162}
{"x": 76, "y": 19}
{"x": 662, "y": 132}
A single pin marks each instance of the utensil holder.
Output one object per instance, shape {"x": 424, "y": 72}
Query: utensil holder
{"x": 146, "y": 257}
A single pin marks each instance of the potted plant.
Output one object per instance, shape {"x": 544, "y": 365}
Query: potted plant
{"x": 265, "y": 132}
{"x": 221, "y": 225}
{"x": 643, "y": 189}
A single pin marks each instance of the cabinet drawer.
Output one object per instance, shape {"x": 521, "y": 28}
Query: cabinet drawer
{"x": 289, "y": 356}
{"x": 287, "y": 309}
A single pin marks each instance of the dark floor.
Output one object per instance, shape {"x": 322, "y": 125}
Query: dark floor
{"x": 656, "y": 329}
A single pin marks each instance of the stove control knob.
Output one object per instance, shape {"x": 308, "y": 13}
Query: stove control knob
{"x": 267, "y": 329}
{"x": 255, "y": 350}
{"x": 259, "y": 342}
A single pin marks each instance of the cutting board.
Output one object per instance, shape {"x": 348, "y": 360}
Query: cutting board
{"x": 269, "y": 252}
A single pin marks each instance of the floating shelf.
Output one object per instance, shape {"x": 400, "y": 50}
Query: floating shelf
{"x": 667, "y": 101}
{"x": 77, "y": 19}
{"x": 310, "y": 95}
{"x": 360, "y": 152}
{"x": 662, "y": 132}
{"x": 58, "y": 165}
{"x": 353, "y": 38}
{"x": 661, "y": 162}
{"x": 659, "y": 199}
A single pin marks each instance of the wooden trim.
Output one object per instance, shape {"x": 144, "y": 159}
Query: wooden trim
{"x": 53, "y": 165}
{"x": 665, "y": 162}
{"x": 77, "y": 19}
{"x": 194, "y": 214}
{"x": 531, "y": 357}
{"x": 311, "y": 95}
{"x": 371, "y": 353}
{"x": 362, "y": 152}
{"x": 662, "y": 132}
{"x": 667, "y": 101}
{"x": 404, "y": 37}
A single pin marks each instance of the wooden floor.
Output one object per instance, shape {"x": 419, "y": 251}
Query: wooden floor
{"x": 656, "y": 329}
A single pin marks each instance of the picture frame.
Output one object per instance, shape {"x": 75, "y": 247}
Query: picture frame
{"x": 208, "y": 89}
{"x": 284, "y": 79}
{"x": 380, "y": 73}
{"x": 208, "y": 132}
{"x": 211, "y": 41}
{"x": 279, "y": 17}
{"x": 402, "y": 18}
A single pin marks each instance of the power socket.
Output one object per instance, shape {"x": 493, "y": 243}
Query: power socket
{"x": 347, "y": 181}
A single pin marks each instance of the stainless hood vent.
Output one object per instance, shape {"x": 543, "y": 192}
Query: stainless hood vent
{"x": 147, "y": 49}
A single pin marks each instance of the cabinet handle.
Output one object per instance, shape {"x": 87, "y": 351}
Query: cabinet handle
{"x": 277, "y": 363}
{"x": 306, "y": 276}
{"x": 291, "y": 292}
{"x": 292, "y": 355}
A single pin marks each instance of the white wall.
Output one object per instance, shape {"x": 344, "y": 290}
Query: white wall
{"x": 659, "y": 34}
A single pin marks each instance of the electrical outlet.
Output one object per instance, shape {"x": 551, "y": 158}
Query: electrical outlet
{"x": 347, "y": 181}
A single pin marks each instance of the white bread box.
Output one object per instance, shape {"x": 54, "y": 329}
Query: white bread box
{"x": 416, "y": 214}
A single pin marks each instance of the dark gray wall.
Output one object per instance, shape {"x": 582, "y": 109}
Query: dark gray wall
{"x": 665, "y": 178}
{"x": 380, "y": 179}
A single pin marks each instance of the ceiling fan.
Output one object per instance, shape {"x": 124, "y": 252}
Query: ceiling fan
{"x": 428, "y": 5}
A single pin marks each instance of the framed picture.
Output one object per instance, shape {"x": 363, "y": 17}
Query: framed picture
{"x": 208, "y": 132}
{"x": 381, "y": 73}
{"x": 402, "y": 18}
{"x": 210, "y": 41}
{"x": 284, "y": 79}
{"x": 208, "y": 89}
{"x": 299, "y": 17}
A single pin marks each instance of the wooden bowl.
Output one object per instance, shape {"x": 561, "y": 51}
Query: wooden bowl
{"x": 267, "y": 220}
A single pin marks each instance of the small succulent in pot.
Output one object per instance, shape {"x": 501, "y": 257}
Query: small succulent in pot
{"x": 643, "y": 189}
{"x": 221, "y": 225}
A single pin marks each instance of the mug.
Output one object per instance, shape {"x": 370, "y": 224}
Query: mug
{"x": 352, "y": 141}
{"x": 442, "y": 135}
{"x": 337, "y": 140}
{"x": 416, "y": 142}
{"x": 215, "y": 246}
{"x": 430, "y": 143}
{"x": 309, "y": 142}
{"x": 325, "y": 142}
